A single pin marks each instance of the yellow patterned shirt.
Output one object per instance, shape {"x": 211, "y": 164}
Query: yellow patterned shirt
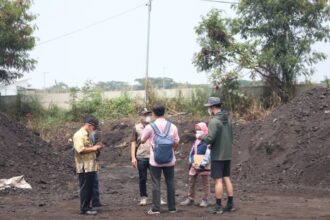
{"x": 85, "y": 162}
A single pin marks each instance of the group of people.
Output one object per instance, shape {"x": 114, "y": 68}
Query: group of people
{"x": 153, "y": 145}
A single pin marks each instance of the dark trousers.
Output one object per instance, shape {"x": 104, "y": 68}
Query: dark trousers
{"x": 143, "y": 166}
{"x": 156, "y": 173}
{"x": 86, "y": 181}
{"x": 96, "y": 191}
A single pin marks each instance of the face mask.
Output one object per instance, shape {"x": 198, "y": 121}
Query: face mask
{"x": 147, "y": 119}
{"x": 90, "y": 129}
{"x": 209, "y": 110}
{"x": 92, "y": 133}
{"x": 199, "y": 134}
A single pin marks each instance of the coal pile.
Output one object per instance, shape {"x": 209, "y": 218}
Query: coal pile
{"x": 23, "y": 152}
{"x": 290, "y": 147}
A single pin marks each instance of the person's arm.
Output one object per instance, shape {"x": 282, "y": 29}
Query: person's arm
{"x": 133, "y": 149}
{"x": 133, "y": 156}
{"x": 79, "y": 146}
{"x": 87, "y": 150}
{"x": 212, "y": 133}
{"x": 147, "y": 131}
{"x": 176, "y": 139}
{"x": 176, "y": 146}
{"x": 191, "y": 156}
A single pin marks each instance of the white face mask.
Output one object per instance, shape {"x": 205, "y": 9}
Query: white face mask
{"x": 209, "y": 110}
{"x": 147, "y": 119}
{"x": 199, "y": 134}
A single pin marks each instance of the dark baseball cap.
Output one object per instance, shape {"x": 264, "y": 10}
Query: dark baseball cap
{"x": 92, "y": 121}
{"x": 212, "y": 101}
{"x": 144, "y": 111}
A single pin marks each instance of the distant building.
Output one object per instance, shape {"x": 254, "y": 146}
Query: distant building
{"x": 14, "y": 88}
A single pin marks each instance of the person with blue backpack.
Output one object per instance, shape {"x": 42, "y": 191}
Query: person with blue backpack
{"x": 164, "y": 139}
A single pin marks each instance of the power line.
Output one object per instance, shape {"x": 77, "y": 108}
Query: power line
{"x": 218, "y": 1}
{"x": 91, "y": 25}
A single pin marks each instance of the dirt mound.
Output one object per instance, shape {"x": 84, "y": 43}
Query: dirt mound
{"x": 291, "y": 147}
{"x": 24, "y": 153}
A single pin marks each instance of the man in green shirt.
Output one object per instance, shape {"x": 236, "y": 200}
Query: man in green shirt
{"x": 220, "y": 139}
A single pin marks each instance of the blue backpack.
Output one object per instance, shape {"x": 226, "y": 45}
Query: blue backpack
{"x": 163, "y": 144}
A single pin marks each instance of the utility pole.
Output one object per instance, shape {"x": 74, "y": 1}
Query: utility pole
{"x": 147, "y": 58}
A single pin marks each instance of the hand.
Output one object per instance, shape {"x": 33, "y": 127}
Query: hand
{"x": 98, "y": 147}
{"x": 134, "y": 163}
{"x": 196, "y": 166}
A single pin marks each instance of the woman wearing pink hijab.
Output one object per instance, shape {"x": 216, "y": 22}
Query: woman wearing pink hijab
{"x": 199, "y": 159}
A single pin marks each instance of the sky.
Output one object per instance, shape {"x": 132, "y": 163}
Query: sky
{"x": 115, "y": 50}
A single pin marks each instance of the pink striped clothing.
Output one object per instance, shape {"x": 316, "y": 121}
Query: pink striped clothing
{"x": 148, "y": 134}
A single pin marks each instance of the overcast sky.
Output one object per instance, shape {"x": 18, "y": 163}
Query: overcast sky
{"x": 116, "y": 49}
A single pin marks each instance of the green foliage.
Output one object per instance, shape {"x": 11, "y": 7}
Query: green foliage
{"x": 118, "y": 107}
{"x": 24, "y": 107}
{"x": 216, "y": 43}
{"x": 195, "y": 104}
{"x": 245, "y": 83}
{"x": 16, "y": 39}
{"x": 59, "y": 88}
{"x": 104, "y": 109}
{"x": 92, "y": 102}
{"x": 228, "y": 90}
{"x": 157, "y": 83}
{"x": 271, "y": 39}
{"x": 327, "y": 82}
{"x": 112, "y": 86}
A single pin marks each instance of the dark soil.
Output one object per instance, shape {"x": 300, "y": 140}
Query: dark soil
{"x": 280, "y": 167}
{"x": 23, "y": 152}
{"x": 291, "y": 147}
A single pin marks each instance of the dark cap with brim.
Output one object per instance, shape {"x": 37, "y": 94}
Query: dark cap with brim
{"x": 92, "y": 121}
{"x": 212, "y": 101}
{"x": 144, "y": 111}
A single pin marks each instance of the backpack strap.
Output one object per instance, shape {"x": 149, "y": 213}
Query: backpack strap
{"x": 157, "y": 131}
{"x": 155, "y": 128}
{"x": 167, "y": 129}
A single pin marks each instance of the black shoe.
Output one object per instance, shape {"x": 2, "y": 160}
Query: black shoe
{"x": 229, "y": 208}
{"x": 172, "y": 211}
{"x": 97, "y": 205}
{"x": 89, "y": 212}
{"x": 216, "y": 210}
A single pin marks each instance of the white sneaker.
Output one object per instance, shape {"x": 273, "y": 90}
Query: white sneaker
{"x": 150, "y": 212}
{"x": 162, "y": 202}
{"x": 187, "y": 202}
{"x": 203, "y": 204}
{"x": 143, "y": 201}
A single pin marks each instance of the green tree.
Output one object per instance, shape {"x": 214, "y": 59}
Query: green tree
{"x": 16, "y": 39}
{"x": 158, "y": 83}
{"x": 112, "y": 86}
{"x": 271, "y": 39}
{"x": 59, "y": 87}
{"x": 326, "y": 81}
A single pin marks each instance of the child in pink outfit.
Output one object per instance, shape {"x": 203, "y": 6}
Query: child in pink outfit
{"x": 199, "y": 148}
